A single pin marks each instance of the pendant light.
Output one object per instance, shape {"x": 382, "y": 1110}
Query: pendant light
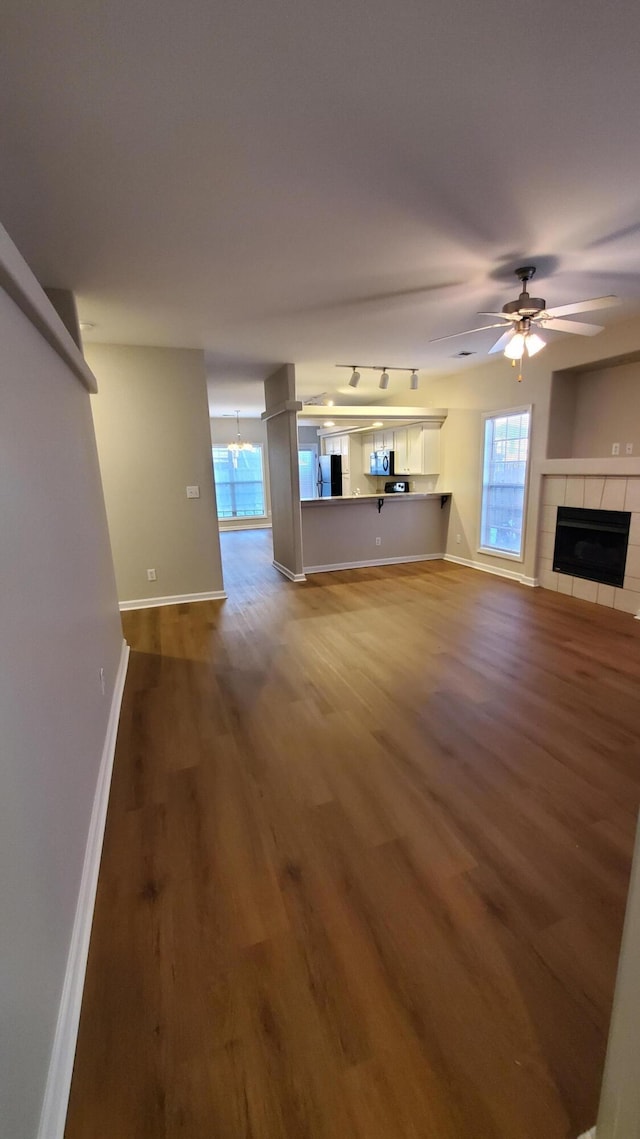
{"x": 238, "y": 443}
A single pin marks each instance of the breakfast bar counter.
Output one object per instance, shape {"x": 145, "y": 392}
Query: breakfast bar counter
{"x": 385, "y": 529}
{"x": 344, "y": 500}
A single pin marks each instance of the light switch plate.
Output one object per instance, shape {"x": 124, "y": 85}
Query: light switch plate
{"x": 193, "y": 492}
{"x": 628, "y": 448}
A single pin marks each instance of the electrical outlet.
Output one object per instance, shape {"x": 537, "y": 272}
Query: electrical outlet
{"x": 615, "y": 448}
{"x": 193, "y": 492}
{"x": 628, "y": 448}
{"x": 151, "y": 575}
{"x": 378, "y": 541}
{"x": 458, "y": 538}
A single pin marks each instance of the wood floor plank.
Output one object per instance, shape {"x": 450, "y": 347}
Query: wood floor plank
{"x": 365, "y": 863}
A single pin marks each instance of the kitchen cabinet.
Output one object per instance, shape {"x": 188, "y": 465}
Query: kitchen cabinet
{"x": 431, "y": 450}
{"x": 338, "y": 445}
{"x": 417, "y": 450}
{"x": 383, "y": 441}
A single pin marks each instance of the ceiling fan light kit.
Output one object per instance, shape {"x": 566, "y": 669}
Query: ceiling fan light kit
{"x": 526, "y": 314}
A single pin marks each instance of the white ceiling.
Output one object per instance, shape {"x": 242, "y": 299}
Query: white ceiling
{"x": 320, "y": 182}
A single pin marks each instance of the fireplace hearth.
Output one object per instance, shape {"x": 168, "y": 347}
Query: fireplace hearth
{"x": 592, "y": 544}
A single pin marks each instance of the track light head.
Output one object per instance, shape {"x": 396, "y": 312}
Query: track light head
{"x": 384, "y": 380}
{"x": 413, "y": 382}
{"x": 354, "y": 379}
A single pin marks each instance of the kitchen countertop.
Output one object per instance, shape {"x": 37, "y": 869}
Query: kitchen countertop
{"x": 352, "y": 499}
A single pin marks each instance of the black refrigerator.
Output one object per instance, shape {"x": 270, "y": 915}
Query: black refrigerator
{"x": 329, "y": 476}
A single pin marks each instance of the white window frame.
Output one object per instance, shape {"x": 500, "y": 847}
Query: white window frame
{"x": 494, "y": 553}
{"x": 248, "y": 518}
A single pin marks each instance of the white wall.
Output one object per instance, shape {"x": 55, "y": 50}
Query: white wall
{"x": 223, "y": 430}
{"x": 607, "y": 411}
{"x": 59, "y": 624}
{"x": 619, "y": 1114}
{"x": 152, "y": 425}
{"x": 341, "y": 533}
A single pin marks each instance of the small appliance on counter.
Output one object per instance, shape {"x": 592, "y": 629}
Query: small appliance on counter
{"x": 400, "y": 486}
{"x": 330, "y": 476}
{"x": 381, "y": 463}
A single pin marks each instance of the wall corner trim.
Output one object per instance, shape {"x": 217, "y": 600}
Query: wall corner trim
{"x": 512, "y": 575}
{"x": 58, "y": 1086}
{"x": 176, "y": 599}
{"x": 591, "y": 1134}
{"x": 288, "y": 573}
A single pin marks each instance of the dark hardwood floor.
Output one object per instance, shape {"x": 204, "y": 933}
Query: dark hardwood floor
{"x": 366, "y": 860}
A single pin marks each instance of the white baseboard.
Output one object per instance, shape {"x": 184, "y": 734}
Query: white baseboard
{"x": 512, "y": 575}
{"x": 287, "y": 572}
{"x": 56, "y": 1095}
{"x": 177, "y": 599}
{"x": 261, "y": 524}
{"x": 374, "y": 562}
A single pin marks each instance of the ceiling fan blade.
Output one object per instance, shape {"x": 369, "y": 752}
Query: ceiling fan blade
{"x": 572, "y": 326}
{"x": 502, "y": 342}
{"x": 466, "y": 333}
{"x": 503, "y": 315}
{"x": 583, "y": 306}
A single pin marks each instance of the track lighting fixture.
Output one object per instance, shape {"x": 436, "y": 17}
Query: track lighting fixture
{"x": 354, "y": 378}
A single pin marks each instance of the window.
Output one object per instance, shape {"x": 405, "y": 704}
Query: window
{"x": 506, "y": 454}
{"x": 308, "y": 467}
{"x": 239, "y": 482}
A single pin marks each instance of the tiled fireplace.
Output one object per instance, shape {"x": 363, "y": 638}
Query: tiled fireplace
{"x": 591, "y": 493}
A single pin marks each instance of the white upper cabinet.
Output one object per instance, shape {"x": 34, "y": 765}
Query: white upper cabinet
{"x": 431, "y": 450}
{"x": 338, "y": 445}
{"x": 417, "y": 450}
{"x": 383, "y": 441}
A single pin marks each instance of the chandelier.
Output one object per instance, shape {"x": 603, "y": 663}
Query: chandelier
{"x": 239, "y": 444}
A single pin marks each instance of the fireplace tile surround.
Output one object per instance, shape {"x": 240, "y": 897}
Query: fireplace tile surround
{"x": 595, "y": 493}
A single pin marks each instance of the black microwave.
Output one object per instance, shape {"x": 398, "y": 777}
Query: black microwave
{"x": 381, "y": 463}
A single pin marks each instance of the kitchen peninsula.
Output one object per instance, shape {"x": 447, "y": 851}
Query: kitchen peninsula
{"x": 373, "y": 530}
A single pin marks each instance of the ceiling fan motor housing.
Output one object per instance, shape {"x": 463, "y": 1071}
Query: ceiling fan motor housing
{"x": 524, "y": 306}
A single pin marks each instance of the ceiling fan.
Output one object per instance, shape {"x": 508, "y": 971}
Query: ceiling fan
{"x": 527, "y": 314}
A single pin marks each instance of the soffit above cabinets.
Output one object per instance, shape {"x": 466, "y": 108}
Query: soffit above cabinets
{"x": 363, "y": 417}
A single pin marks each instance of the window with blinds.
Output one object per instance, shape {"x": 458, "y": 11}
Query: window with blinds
{"x": 505, "y": 465}
{"x": 239, "y": 482}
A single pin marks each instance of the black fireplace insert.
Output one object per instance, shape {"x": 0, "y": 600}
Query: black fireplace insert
{"x": 592, "y": 543}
